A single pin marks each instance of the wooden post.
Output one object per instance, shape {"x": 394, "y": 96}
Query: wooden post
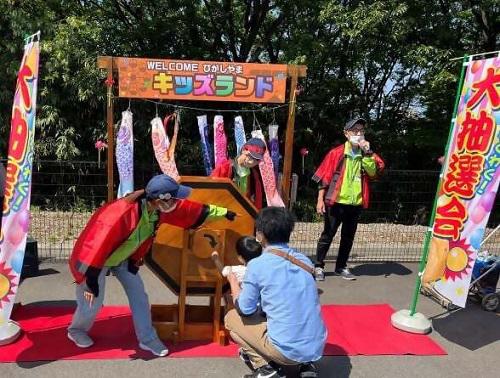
{"x": 187, "y": 248}
{"x": 106, "y": 62}
{"x": 294, "y": 72}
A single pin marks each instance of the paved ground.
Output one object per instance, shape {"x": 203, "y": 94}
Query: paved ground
{"x": 471, "y": 336}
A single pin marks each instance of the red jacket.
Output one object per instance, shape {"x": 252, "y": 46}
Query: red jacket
{"x": 325, "y": 175}
{"x": 113, "y": 223}
{"x": 255, "y": 188}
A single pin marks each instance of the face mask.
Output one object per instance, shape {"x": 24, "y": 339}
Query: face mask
{"x": 166, "y": 207}
{"x": 242, "y": 171}
{"x": 356, "y": 139}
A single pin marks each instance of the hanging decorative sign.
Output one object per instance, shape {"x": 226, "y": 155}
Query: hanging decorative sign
{"x": 201, "y": 80}
{"x": 206, "y": 147}
{"x": 266, "y": 168}
{"x": 220, "y": 141}
{"x": 125, "y": 154}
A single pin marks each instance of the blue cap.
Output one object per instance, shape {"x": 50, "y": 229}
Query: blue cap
{"x": 255, "y": 147}
{"x": 165, "y": 187}
{"x": 349, "y": 125}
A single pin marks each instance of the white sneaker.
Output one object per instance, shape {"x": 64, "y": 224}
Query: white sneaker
{"x": 319, "y": 274}
{"x": 156, "y": 347}
{"x": 81, "y": 340}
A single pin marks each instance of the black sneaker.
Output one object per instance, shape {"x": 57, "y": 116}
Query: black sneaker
{"x": 266, "y": 371}
{"x": 308, "y": 371}
{"x": 345, "y": 274}
{"x": 245, "y": 358}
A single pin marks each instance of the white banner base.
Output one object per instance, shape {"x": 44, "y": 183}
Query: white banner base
{"x": 416, "y": 323}
{"x": 9, "y": 332}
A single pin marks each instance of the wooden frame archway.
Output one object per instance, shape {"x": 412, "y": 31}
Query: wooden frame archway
{"x": 294, "y": 72}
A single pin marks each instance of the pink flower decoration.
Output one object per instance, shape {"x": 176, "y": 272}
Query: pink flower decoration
{"x": 100, "y": 145}
{"x": 304, "y": 151}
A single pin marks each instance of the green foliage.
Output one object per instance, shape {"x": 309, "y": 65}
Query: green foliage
{"x": 305, "y": 211}
{"x": 388, "y": 61}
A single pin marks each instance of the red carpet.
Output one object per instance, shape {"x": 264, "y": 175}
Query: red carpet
{"x": 353, "y": 330}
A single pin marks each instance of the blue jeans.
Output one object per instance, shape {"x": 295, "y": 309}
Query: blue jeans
{"x": 84, "y": 316}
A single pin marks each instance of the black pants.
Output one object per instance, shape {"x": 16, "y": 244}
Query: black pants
{"x": 348, "y": 216}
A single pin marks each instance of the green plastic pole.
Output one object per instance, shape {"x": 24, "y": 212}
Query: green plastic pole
{"x": 428, "y": 233}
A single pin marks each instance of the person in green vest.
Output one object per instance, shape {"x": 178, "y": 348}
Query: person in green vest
{"x": 344, "y": 189}
{"x": 116, "y": 239}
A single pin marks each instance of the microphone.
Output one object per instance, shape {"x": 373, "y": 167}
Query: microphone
{"x": 366, "y": 149}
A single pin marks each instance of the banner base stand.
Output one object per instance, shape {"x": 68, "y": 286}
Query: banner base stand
{"x": 416, "y": 323}
{"x": 9, "y": 332}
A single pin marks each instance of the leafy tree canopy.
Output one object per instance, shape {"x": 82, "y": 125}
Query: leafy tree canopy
{"x": 388, "y": 61}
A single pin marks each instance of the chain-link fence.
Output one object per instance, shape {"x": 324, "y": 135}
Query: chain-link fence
{"x": 64, "y": 194}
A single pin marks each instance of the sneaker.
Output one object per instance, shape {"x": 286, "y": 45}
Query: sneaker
{"x": 319, "y": 274}
{"x": 266, "y": 371}
{"x": 308, "y": 371}
{"x": 345, "y": 274}
{"x": 81, "y": 339}
{"x": 245, "y": 358}
{"x": 156, "y": 347}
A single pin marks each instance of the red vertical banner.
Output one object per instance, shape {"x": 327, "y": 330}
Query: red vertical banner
{"x": 469, "y": 183}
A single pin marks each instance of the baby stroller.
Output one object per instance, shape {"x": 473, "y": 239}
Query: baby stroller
{"x": 484, "y": 283}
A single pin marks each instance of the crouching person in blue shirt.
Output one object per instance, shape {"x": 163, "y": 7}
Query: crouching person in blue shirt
{"x": 279, "y": 283}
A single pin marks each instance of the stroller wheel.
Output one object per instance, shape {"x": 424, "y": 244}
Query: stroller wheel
{"x": 475, "y": 298}
{"x": 490, "y": 302}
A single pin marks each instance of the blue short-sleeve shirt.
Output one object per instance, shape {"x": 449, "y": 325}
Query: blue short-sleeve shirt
{"x": 289, "y": 297}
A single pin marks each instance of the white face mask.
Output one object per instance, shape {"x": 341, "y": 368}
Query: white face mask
{"x": 356, "y": 139}
{"x": 167, "y": 207}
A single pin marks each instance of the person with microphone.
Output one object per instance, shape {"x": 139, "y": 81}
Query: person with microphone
{"x": 343, "y": 179}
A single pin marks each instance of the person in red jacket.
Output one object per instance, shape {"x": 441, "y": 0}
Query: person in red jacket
{"x": 244, "y": 170}
{"x": 116, "y": 239}
{"x": 343, "y": 179}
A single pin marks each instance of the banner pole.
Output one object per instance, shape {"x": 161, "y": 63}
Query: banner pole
{"x": 428, "y": 233}
{"x": 403, "y": 319}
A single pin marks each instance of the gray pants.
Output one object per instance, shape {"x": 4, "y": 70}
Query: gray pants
{"x": 84, "y": 316}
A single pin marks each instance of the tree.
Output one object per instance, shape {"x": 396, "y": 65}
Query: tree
{"x": 388, "y": 61}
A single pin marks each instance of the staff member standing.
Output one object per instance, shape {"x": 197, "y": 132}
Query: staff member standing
{"x": 343, "y": 179}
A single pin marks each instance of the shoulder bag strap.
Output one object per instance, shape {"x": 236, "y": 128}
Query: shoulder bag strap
{"x": 293, "y": 260}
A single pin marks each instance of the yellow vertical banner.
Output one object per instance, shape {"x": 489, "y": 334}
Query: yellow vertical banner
{"x": 16, "y": 206}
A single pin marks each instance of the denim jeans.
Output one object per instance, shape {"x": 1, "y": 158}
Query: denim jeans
{"x": 84, "y": 316}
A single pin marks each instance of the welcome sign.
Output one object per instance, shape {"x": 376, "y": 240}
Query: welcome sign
{"x": 201, "y": 80}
